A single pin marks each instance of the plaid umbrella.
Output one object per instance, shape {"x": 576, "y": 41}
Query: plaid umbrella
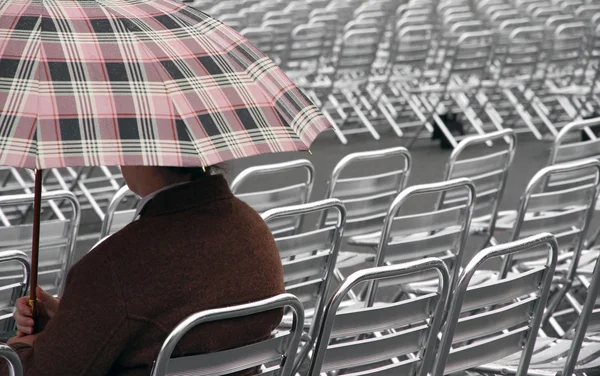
{"x": 137, "y": 82}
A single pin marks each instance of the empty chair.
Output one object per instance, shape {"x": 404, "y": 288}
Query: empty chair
{"x": 413, "y": 233}
{"x": 116, "y": 219}
{"x": 367, "y": 188}
{"x": 309, "y": 259}
{"x": 12, "y": 288}
{"x": 274, "y": 355}
{"x": 564, "y": 212}
{"x": 488, "y": 170}
{"x": 573, "y": 353}
{"x": 14, "y": 363}
{"x": 57, "y": 240}
{"x": 384, "y": 339}
{"x": 490, "y": 321}
{"x": 276, "y": 185}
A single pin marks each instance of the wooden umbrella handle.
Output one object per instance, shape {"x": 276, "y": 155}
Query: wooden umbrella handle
{"x": 35, "y": 243}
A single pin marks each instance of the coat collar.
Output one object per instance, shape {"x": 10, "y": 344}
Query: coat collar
{"x": 184, "y": 196}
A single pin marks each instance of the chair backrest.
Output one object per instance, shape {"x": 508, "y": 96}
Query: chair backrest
{"x": 473, "y": 53}
{"x": 411, "y": 46}
{"x": 261, "y": 37}
{"x": 490, "y": 321}
{"x": 309, "y": 258}
{"x": 568, "y": 145}
{"x": 410, "y": 235}
{"x": 277, "y": 353}
{"x": 306, "y": 47}
{"x": 364, "y": 337}
{"x": 566, "y": 213}
{"x": 357, "y": 53}
{"x": 487, "y": 170}
{"x": 15, "y": 368}
{"x": 14, "y": 287}
{"x": 275, "y": 190}
{"x": 367, "y": 190}
{"x": 116, "y": 219}
{"x": 57, "y": 240}
{"x": 588, "y": 321}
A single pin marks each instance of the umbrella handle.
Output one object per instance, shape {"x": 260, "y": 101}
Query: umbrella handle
{"x": 35, "y": 244}
{"x": 33, "y": 305}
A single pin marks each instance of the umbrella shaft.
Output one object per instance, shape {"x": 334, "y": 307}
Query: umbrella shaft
{"x": 35, "y": 241}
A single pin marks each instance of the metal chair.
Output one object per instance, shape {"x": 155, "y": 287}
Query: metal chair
{"x": 308, "y": 260}
{"x": 15, "y": 368}
{"x": 274, "y": 356}
{"x": 564, "y": 212}
{"x": 488, "y": 171}
{"x": 14, "y": 287}
{"x": 367, "y": 196}
{"x": 57, "y": 240}
{"x": 115, "y": 219}
{"x": 383, "y": 339}
{"x": 415, "y": 234}
{"x": 488, "y": 322}
{"x": 282, "y": 192}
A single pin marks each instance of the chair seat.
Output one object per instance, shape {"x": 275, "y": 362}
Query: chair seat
{"x": 549, "y": 358}
{"x": 348, "y": 259}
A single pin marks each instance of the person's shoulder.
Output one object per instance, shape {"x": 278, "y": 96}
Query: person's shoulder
{"x": 108, "y": 248}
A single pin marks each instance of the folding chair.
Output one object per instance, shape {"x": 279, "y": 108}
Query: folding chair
{"x": 366, "y": 195}
{"x": 342, "y": 90}
{"x": 272, "y": 356}
{"x": 488, "y": 171}
{"x": 303, "y": 58}
{"x": 564, "y": 211}
{"x": 15, "y": 368}
{"x": 383, "y": 339}
{"x": 12, "y": 288}
{"x": 576, "y": 353}
{"x": 411, "y": 234}
{"x": 116, "y": 219}
{"x": 309, "y": 259}
{"x": 57, "y": 240}
{"x": 262, "y": 37}
{"x": 281, "y": 184}
{"x": 488, "y": 322}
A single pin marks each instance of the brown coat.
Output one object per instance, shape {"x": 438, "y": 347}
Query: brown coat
{"x": 195, "y": 247}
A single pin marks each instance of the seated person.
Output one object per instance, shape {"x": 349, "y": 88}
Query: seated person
{"x": 194, "y": 246}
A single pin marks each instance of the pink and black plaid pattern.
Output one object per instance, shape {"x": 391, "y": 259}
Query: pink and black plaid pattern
{"x": 139, "y": 82}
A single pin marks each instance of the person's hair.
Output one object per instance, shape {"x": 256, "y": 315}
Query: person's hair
{"x": 197, "y": 172}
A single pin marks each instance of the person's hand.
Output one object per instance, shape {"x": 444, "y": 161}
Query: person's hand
{"x": 47, "y": 306}
{"x": 27, "y": 340}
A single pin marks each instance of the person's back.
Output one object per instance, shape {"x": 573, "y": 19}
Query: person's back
{"x": 194, "y": 247}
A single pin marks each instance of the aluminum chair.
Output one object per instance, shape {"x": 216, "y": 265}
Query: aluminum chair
{"x": 261, "y": 37}
{"x": 488, "y": 322}
{"x": 576, "y": 353}
{"x": 57, "y": 240}
{"x": 309, "y": 259}
{"x": 15, "y": 368}
{"x": 116, "y": 219}
{"x": 409, "y": 235}
{"x": 403, "y": 334}
{"x": 488, "y": 171}
{"x": 564, "y": 212}
{"x": 341, "y": 91}
{"x": 273, "y": 356}
{"x": 277, "y": 195}
{"x": 367, "y": 196}
{"x": 307, "y": 45}
{"x": 14, "y": 287}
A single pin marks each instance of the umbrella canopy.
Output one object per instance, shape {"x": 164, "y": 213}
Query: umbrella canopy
{"x": 139, "y": 82}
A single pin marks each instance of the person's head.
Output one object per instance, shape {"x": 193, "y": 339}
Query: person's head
{"x": 144, "y": 180}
